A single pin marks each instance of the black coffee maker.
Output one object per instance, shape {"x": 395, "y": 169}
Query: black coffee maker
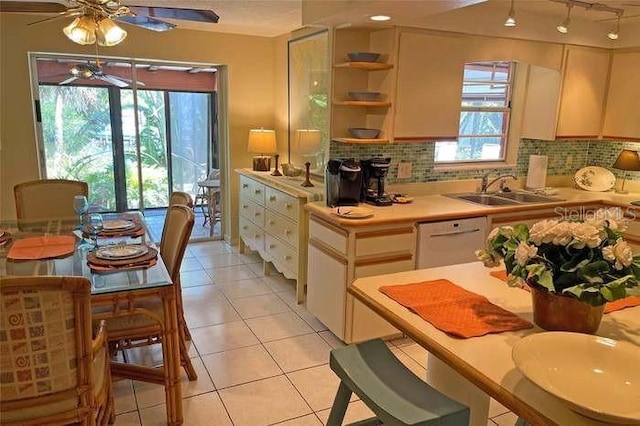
{"x": 343, "y": 181}
{"x": 374, "y": 171}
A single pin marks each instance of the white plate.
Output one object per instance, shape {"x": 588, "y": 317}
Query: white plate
{"x": 352, "y": 212}
{"x": 594, "y": 178}
{"x": 114, "y": 225}
{"x": 121, "y": 252}
{"x": 598, "y": 377}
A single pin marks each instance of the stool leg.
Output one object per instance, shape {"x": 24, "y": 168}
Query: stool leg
{"x": 339, "y": 407}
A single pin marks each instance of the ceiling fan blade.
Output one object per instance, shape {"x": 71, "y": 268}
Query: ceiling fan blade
{"x": 31, "y": 7}
{"x": 68, "y": 14}
{"x": 67, "y": 81}
{"x": 116, "y": 81}
{"x": 198, "y": 15}
{"x": 147, "y": 22}
{"x": 139, "y": 83}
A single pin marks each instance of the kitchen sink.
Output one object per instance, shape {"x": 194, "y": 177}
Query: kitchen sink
{"x": 503, "y": 198}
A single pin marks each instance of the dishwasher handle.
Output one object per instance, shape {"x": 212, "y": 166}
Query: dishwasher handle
{"x": 445, "y": 234}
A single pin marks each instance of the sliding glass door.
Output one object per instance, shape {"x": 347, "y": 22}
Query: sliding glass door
{"x": 133, "y": 145}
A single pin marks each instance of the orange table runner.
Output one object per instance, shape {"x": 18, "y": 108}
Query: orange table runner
{"x": 35, "y": 248}
{"x": 616, "y": 305}
{"x": 453, "y": 309}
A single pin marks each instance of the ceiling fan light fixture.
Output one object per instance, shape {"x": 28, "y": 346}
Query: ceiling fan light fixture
{"x": 81, "y": 30}
{"x": 109, "y": 33}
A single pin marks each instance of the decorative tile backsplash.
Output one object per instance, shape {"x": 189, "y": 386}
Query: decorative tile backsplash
{"x": 565, "y": 158}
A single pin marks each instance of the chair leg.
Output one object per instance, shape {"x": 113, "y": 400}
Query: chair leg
{"x": 339, "y": 407}
{"x": 186, "y": 361}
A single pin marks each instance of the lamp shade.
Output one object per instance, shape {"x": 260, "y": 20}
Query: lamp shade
{"x": 109, "y": 33}
{"x": 82, "y": 30}
{"x": 308, "y": 140}
{"x": 262, "y": 141}
{"x": 627, "y": 160}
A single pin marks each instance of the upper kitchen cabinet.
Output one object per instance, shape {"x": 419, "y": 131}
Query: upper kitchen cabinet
{"x": 622, "y": 118}
{"x": 377, "y": 77}
{"x": 540, "y": 103}
{"x": 586, "y": 73}
{"x": 430, "y": 73}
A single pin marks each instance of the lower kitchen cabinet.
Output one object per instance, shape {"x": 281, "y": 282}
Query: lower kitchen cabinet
{"x": 273, "y": 222}
{"x": 337, "y": 256}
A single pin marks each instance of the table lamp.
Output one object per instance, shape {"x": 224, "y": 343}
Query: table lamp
{"x": 627, "y": 160}
{"x": 263, "y": 142}
{"x": 308, "y": 143}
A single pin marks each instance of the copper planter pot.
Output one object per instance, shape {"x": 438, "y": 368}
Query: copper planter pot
{"x": 560, "y": 313}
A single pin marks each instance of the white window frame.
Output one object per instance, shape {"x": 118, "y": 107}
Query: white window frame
{"x": 509, "y": 142}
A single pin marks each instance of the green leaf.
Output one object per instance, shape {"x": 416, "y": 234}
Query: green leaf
{"x": 521, "y": 232}
{"x": 592, "y": 272}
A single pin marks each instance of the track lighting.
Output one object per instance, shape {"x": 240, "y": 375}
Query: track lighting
{"x": 511, "y": 19}
{"x": 564, "y": 26}
{"x": 613, "y": 34}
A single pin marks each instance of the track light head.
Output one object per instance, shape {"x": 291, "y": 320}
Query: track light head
{"x": 511, "y": 19}
{"x": 564, "y": 26}
{"x": 613, "y": 34}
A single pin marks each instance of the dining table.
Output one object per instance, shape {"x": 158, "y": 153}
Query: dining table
{"x": 471, "y": 370}
{"x": 113, "y": 293}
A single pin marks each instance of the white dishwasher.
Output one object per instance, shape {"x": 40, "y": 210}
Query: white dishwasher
{"x": 450, "y": 242}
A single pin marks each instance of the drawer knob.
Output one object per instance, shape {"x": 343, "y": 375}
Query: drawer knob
{"x": 287, "y": 257}
{"x": 256, "y": 214}
{"x": 245, "y": 227}
{"x": 257, "y": 191}
{"x": 256, "y": 236}
{"x": 272, "y": 198}
{"x": 245, "y": 185}
{"x": 244, "y": 206}
{"x": 287, "y": 232}
{"x": 272, "y": 246}
{"x": 271, "y": 222}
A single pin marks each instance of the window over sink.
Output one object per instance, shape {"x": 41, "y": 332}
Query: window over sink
{"x": 484, "y": 115}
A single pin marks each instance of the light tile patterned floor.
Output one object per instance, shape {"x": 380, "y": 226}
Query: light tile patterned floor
{"x": 261, "y": 359}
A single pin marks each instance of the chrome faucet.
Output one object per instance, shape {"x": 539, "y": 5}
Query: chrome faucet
{"x": 485, "y": 184}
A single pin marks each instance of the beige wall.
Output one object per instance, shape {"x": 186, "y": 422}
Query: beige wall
{"x": 253, "y": 80}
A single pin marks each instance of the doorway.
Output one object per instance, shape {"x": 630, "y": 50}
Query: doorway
{"x": 133, "y": 131}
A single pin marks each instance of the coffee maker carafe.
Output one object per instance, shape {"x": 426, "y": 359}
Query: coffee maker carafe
{"x": 375, "y": 172}
{"x": 343, "y": 180}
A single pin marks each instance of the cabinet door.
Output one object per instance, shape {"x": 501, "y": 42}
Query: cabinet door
{"x": 622, "y": 118}
{"x": 327, "y": 288}
{"x": 583, "y": 91}
{"x": 541, "y": 103}
{"x": 429, "y": 90}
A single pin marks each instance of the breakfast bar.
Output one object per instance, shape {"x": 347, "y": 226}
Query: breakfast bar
{"x": 474, "y": 369}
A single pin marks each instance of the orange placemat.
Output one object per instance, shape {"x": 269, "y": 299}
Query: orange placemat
{"x": 627, "y": 302}
{"x": 99, "y": 269}
{"x": 454, "y": 310}
{"x": 35, "y": 248}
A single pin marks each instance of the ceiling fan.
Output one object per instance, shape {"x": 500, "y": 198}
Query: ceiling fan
{"x": 92, "y": 71}
{"x": 94, "y": 18}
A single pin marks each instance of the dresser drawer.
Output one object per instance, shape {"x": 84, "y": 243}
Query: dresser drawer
{"x": 251, "y": 210}
{"x": 252, "y": 189}
{"x": 282, "y": 203}
{"x": 281, "y": 254}
{"x": 281, "y": 227}
{"x": 252, "y": 235}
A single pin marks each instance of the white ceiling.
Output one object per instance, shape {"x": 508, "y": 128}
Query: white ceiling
{"x": 536, "y": 18}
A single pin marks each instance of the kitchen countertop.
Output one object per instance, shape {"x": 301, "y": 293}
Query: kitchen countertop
{"x": 439, "y": 207}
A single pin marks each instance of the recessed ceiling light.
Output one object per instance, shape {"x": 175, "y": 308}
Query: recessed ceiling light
{"x": 380, "y": 18}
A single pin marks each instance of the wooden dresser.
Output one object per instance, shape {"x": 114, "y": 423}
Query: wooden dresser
{"x": 274, "y": 223}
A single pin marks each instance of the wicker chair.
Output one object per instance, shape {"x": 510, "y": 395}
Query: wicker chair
{"x": 144, "y": 327}
{"x": 177, "y": 197}
{"x": 47, "y": 198}
{"x": 52, "y": 371}
{"x": 203, "y": 200}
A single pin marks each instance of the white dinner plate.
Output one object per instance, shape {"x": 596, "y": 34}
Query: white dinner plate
{"x": 598, "y": 377}
{"x": 352, "y": 212}
{"x": 594, "y": 178}
{"x": 114, "y": 225}
{"x": 121, "y": 252}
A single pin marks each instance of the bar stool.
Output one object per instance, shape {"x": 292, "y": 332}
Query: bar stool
{"x": 389, "y": 389}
